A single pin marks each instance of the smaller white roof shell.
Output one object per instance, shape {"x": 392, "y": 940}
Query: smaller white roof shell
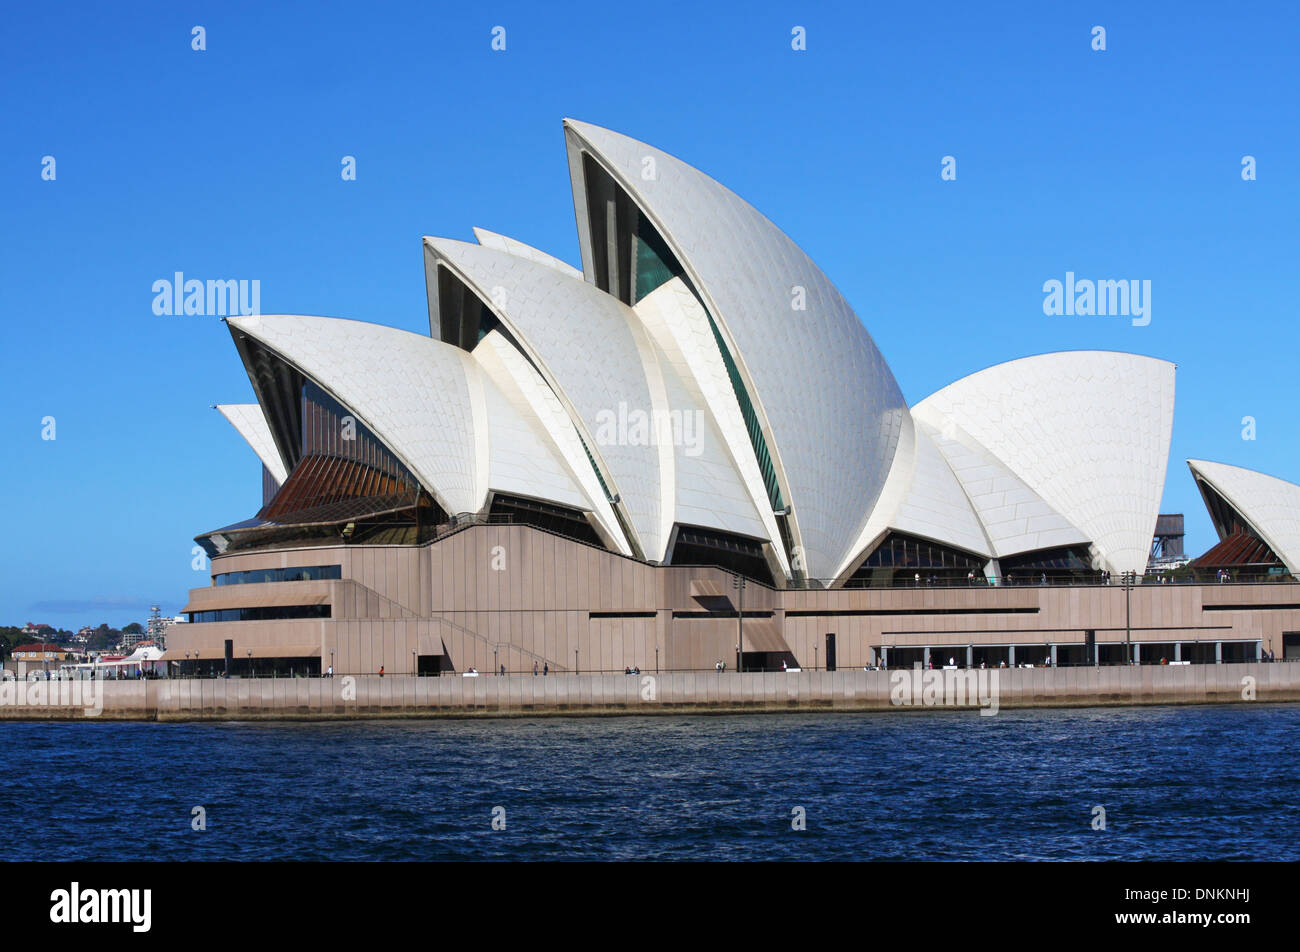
{"x": 490, "y": 239}
{"x": 250, "y": 421}
{"x": 1269, "y": 504}
{"x": 431, "y": 403}
{"x": 1087, "y": 432}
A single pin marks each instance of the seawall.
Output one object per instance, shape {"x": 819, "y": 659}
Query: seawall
{"x": 524, "y": 695}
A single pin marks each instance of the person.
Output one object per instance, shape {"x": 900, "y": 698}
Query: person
{"x": 381, "y": 670}
{"x": 970, "y": 578}
{"x": 329, "y": 672}
{"x": 503, "y": 671}
{"x": 783, "y": 667}
{"x": 1042, "y": 579}
{"x": 626, "y": 669}
{"x": 636, "y": 669}
{"x": 546, "y": 668}
{"x": 1164, "y": 661}
{"x": 917, "y": 578}
{"x": 534, "y": 669}
{"x": 952, "y": 662}
{"x": 717, "y": 666}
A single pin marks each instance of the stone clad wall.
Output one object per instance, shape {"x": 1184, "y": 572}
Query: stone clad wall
{"x": 524, "y": 695}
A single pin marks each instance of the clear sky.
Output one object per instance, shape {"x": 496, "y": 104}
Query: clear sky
{"x": 226, "y": 163}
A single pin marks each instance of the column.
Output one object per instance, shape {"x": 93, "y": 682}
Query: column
{"x": 1178, "y": 651}
{"x": 1051, "y": 654}
{"x": 970, "y": 656}
{"x": 1218, "y": 652}
{"x": 1011, "y": 656}
{"x": 925, "y": 661}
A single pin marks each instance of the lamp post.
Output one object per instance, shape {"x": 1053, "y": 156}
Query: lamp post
{"x": 575, "y": 660}
{"x": 738, "y": 583}
{"x": 1128, "y": 616}
{"x": 415, "y": 663}
{"x": 250, "y": 662}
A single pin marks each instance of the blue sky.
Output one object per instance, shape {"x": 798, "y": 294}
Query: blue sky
{"x": 225, "y": 164}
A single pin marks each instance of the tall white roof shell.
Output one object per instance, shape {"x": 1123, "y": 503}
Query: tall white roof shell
{"x": 250, "y": 421}
{"x": 830, "y": 409}
{"x": 710, "y": 490}
{"x": 1086, "y": 431}
{"x": 1269, "y": 504}
{"x": 593, "y": 351}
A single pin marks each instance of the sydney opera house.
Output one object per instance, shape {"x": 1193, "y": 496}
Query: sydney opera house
{"x": 691, "y": 451}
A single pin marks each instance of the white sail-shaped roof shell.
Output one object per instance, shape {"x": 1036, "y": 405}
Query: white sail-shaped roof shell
{"x": 429, "y": 402}
{"x": 1087, "y": 432}
{"x": 936, "y": 506}
{"x": 711, "y": 446}
{"x": 1014, "y": 518}
{"x": 516, "y": 377}
{"x": 490, "y": 239}
{"x": 594, "y": 353}
{"x": 250, "y": 421}
{"x": 830, "y": 410}
{"x": 1270, "y": 505}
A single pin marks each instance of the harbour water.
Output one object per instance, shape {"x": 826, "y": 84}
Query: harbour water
{"x": 1219, "y": 782}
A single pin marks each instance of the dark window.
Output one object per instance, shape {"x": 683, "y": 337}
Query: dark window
{"x": 304, "y": 573}
{"x": 899, "y": 559}
{"x": 694, "y": 545}
{"x": 273, "y": 613}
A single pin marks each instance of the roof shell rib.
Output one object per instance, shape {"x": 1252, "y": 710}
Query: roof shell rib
{"x": 1270, "y": 505}
{"x": 593, "y": 352}
{"x": 1087, "y": 432}
{"x": 250, "y": 421}
{"x": 830, "y": 410}
{"x": 431, "y": 404}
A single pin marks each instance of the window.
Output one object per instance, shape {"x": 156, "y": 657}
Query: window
{"x": 272, "y": 613}
{"x": 305, "y": 573}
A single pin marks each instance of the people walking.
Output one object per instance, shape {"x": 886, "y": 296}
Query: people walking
{"x": 534, "y": 669}
{"x": 381, "y": 670}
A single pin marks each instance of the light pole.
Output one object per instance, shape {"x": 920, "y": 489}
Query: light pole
{"x": 575, "y": 660}
{"x": 738, "y": 583}
{"x": 415, "y": 664}
{"x": 1128, "y": 617}
{"x": 250, "y": 662}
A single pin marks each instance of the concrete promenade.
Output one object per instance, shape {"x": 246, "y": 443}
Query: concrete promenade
{"x": 525, "y": 695}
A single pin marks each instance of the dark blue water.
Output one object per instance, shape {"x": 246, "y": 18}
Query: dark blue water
{"x": 1191, "y": 783}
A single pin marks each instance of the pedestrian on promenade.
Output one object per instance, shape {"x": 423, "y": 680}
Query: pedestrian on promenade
{"x": 534, "y": 669}
{"x": 381, "y": 670}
